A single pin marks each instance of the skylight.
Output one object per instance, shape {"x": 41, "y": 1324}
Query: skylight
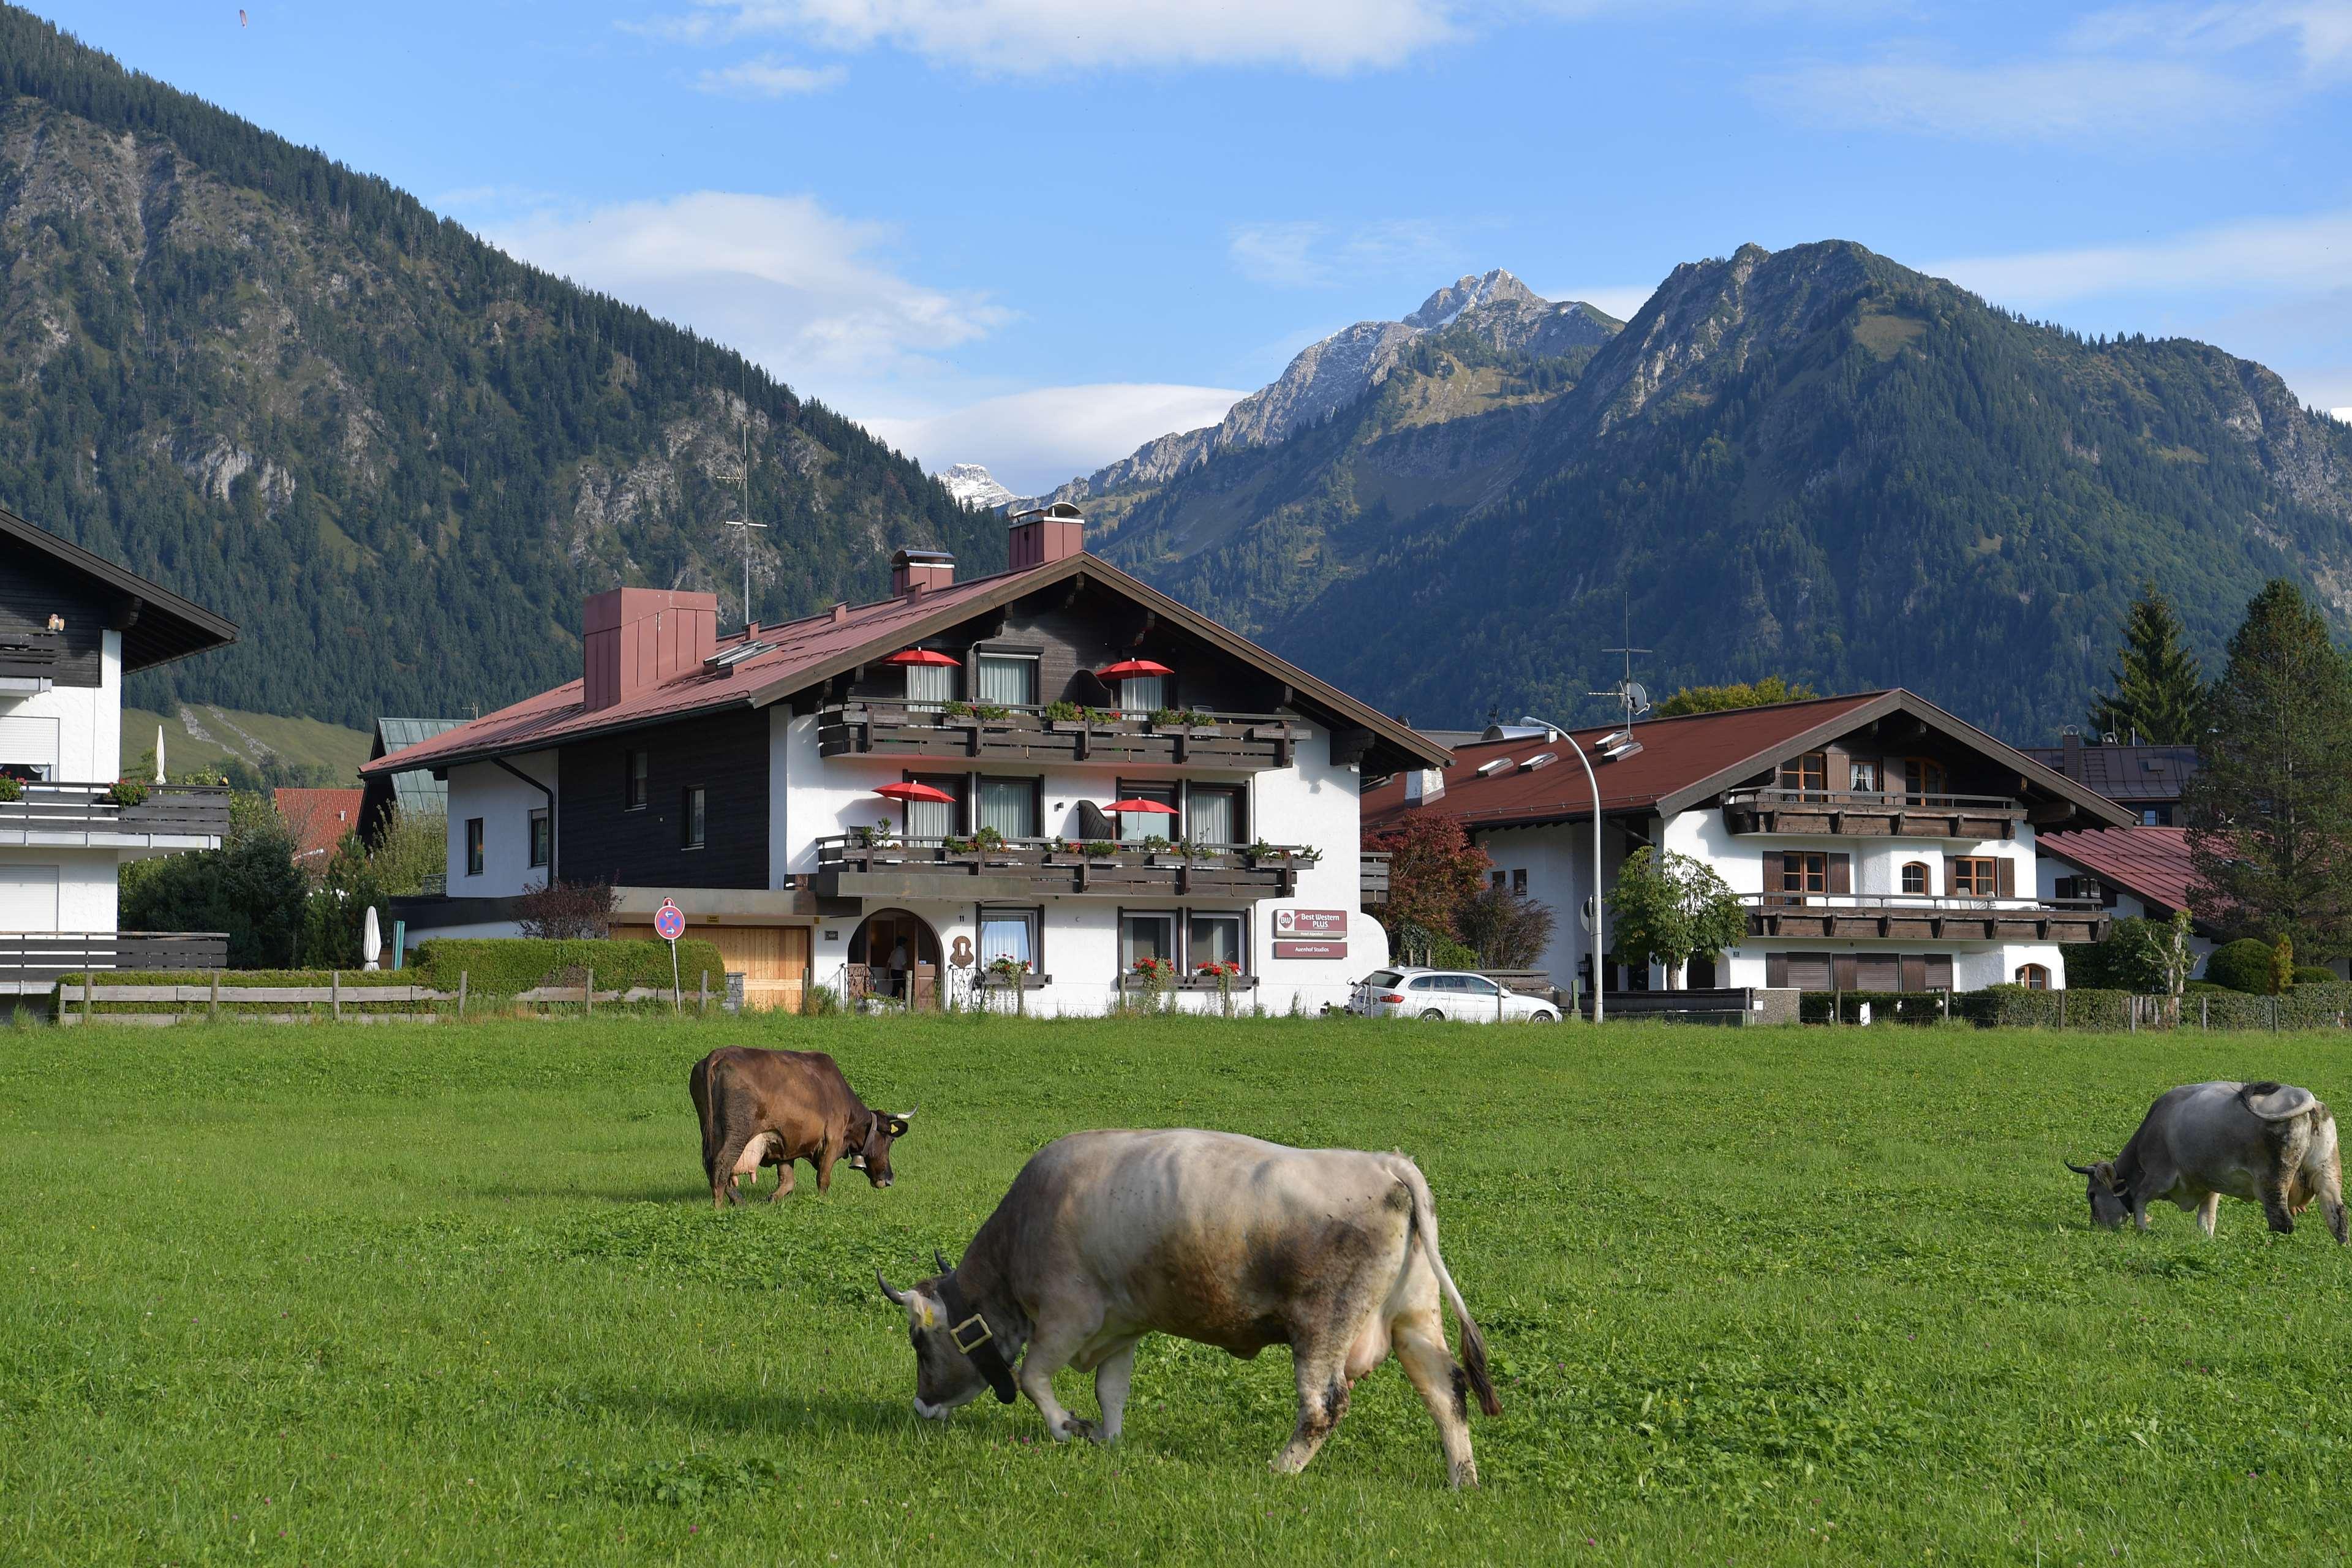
{"x": 1499, "y": 765}
{"x": 737, "y": 655}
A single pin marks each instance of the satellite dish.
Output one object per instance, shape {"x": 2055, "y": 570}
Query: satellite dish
{"x": 1584, "y": 915}
{"x": 1637, "y": 696}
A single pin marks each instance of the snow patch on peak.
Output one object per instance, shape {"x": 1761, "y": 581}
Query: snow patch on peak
{"x": 973, "y": 486}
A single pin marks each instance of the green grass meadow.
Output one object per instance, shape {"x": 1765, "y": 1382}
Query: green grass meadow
{"x": 456, "y": 1294}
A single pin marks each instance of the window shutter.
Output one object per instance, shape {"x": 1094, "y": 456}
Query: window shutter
{"x": 1940, "y": 972}
{"x": 1840, "y": 873}
{"x": 1915, "y": 974}
{"x": 1838, "y": 778}
{"x": 2005, "y": 878}
{"x": 1776, "y": 970}
{"x": 1951, "y": 876}
{"x": 1846, "y": 971}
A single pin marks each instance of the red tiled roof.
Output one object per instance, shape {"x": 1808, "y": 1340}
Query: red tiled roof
{"x": 2150, "y": 863}
{"x": 1675, "y": 752}
{"x": 1684, "y": 759}
{"x": 815, "y": 647}
{"x": 319, "y": 818}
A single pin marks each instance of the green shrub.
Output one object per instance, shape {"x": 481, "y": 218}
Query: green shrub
{"x": 501, "y": 966}
{"x": 2130, "y": 957}
{"x": 1885, "y": 1006}
{"x": 2314, "y": 975}
{"x": 2076, "y": 1007}
{"x": 2241, "y": 965}
{"x": 1447, "y": 953}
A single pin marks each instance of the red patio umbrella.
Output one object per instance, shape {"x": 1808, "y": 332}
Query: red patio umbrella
{"x": 1156, "y": 807}
{"x": 1127, "y": 669}
{"x": 922, "y": 655}
{"x": 916, "y": 792}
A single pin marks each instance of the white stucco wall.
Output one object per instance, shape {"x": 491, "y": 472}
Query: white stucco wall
{"x": 77, "y": 729}
{"x": 504, "y": 803}
{"x": 1314, "y": 803}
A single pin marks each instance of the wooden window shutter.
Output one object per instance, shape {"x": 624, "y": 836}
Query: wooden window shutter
{"x": 1775, "y": 969}
{"x": 1915, "y": 974}
{"x": 1844, "y": 968}
{"x": 1838, "y": 777}
{"x": 1951, "y": 876}
{"x": 1940, "y": 972}
{"x": 2005, "y": 878}
{"x": 1842, "y": 873}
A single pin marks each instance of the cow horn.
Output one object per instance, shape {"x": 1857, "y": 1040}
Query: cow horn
{"x": 908, "y": 1115}
{"x": 898, "y": 1298}
{"x": 2080, "y": 1169}
{"x": 940, "y": 1259}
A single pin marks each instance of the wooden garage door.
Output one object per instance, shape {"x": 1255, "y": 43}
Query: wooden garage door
{"x": 773, "y": 960}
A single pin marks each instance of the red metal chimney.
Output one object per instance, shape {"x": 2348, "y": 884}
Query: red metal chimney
{"x": 636, "y": 639}
{"x": 1044, "y": 534}
{"x": 929, "y": 570}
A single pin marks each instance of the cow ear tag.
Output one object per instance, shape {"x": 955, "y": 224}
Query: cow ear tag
{"x": 931, "y": 1319}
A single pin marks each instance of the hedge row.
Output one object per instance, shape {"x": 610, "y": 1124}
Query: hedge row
{"x": 2084, "y": 1007}
{"x": 1899, "y": 1007}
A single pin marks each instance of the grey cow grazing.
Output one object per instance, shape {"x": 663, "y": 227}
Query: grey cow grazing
{"x": 2270, "y": 1143}
{"x": 1106, "y": 1236}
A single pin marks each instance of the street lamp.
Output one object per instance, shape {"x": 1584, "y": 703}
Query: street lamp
{"x": 1612, "y": 746}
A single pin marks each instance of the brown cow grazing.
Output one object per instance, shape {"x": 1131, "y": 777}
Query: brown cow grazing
{"x": 1231, "y": 1242}
{"x": 775, "y": 1107}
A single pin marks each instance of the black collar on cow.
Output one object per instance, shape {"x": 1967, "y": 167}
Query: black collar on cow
{"x": 970, "y": 1334}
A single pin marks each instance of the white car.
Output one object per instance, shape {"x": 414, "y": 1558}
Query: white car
{"x": 1445, "y": 994}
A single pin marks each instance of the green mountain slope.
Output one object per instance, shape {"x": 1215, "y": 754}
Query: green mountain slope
{"x": 397, "y": 458}
{"x": 1813, "y": 462}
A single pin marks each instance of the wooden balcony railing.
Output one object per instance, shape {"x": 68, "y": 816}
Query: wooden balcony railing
{"x": 1374, "y": 877}
{"x": 84, "y": 812}
{"x": 850, "y": 867}
{"x": 1873, "y": 815}
{"x": 1250, "y": 742}
{"x": 1917, "y": 916}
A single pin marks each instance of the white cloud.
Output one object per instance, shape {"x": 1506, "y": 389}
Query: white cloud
{"x": 1306, "y": 255}
{"x": 2319, "y": 31}
{"x": 1621, "y": 300}
{"x": 2035, "y": 100}
{"x": 2343, "y": 414}
{"x": 1034, "y": 440}
{"x": 2310, "y": 254}
{"x": 800, "y": 288}
{"x": 769, "y": 77}
{"x": 1031, "y": 36}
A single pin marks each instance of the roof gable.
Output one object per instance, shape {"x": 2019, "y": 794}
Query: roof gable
{"x": 157, "y": 625}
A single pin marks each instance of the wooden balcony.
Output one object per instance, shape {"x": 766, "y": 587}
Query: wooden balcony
{"x": 171, "y": 815}
{"x": 1227, "y": 741}
{"x": 848, "y": 867}
{"x": 1972, "y": 818}
{"x": 35, "y": 960}
{"x": 1373, "y": 877}
{"x": 1911, "y": 917}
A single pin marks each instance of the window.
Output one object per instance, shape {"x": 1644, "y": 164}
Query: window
{"x": 2080, "y": 887}
{"x": 1915, "y": 877}
{"x": 1925, "y": 775}
{"x": 1810, "y": 772}
{"x": 1143, "y": 693}
{"x": 2156, "y": 816}
{"x": 1865, "y": 775}
{"x": 1495, "y": 880}
{"x": 1476, "y": 984}
{"x": 633, "y": 781}
{"x": 538, "y": 836}
{"x": 1974, "y": 876}
{"x": 1428, "y": 983}
{"x": 1519, "y": 882}
{"x": 473, "y": 846}
{"x": 1145, "y": 936}
{"x": 1010, "y": 934}
{"x": 931, "y": 686}
{"x": 936, "y": 819}
{"x": 1008, "y": 680}
{"x": 2033, "y": 977}
{"x": 1135, "y": 826}
{"x": 1212, "y": 815}
{"x": 1804, "y": 871}
{"x": 1216, "y": 938}
{"x": 1009, "y": 805}
{"x": 690, "y": 817}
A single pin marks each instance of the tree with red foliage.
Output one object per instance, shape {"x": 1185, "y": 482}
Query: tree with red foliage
{"x": 1433, "y": 870}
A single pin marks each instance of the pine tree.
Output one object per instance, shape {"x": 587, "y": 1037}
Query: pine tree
{"x": 2159, "y": 692}
{"x": 2271, "y": 806}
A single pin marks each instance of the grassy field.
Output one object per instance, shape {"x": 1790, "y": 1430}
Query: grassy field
{"x": 253, "y": 737}
{"x": 453, "y": 1295}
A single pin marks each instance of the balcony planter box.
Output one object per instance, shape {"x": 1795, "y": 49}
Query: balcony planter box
{"x": 1009, "y": 982}
{"x": 1237, "y": 984}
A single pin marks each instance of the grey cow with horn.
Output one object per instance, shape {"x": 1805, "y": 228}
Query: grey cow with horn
{"x": 1106, "y": 1236}
{"x": 2270, "y": 1143}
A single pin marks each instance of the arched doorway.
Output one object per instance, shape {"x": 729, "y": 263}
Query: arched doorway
{"x": 896, "y": 953}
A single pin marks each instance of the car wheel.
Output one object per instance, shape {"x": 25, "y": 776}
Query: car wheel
{"x": 1544, "y": 1018}
{"x": 1433, "y": 1013}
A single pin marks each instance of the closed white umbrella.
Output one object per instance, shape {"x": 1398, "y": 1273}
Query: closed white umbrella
{"x": 370, "y": 941}
{"x": 159, "y": 753}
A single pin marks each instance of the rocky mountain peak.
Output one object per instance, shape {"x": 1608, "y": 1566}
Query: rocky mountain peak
{"x": 1469, "y": 293}
{"x": 973, "y": 486}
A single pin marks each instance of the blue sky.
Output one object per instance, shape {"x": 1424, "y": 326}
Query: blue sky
{"x": 1033, "y": 233}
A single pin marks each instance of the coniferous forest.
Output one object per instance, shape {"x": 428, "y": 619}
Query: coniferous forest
{"x": 397, "y": 458}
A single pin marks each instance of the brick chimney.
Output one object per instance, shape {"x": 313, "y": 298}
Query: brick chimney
{"x": 1044, "y": 534}
{"x": 926, "y": 570}
{"x": 638, "y": 638}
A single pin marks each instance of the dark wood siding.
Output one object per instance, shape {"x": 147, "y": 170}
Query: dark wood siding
{"x": 724, "y": 755}
{"x": 33, "y": 587}
{"x": 1074, "y": 638}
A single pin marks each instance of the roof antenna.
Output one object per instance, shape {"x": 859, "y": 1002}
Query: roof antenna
{"x": 744, "y": 521}
{"x": 1629, "y": 694}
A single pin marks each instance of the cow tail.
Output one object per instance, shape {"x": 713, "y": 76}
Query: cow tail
{"x": 1474, "y": 1344}
{"x": 698, "y": 1084}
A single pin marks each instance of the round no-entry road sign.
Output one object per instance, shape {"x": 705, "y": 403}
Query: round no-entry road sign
{"x": 669, "y": 921}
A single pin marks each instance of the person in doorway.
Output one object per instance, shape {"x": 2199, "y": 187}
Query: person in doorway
{"x": 899, "y": 963}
